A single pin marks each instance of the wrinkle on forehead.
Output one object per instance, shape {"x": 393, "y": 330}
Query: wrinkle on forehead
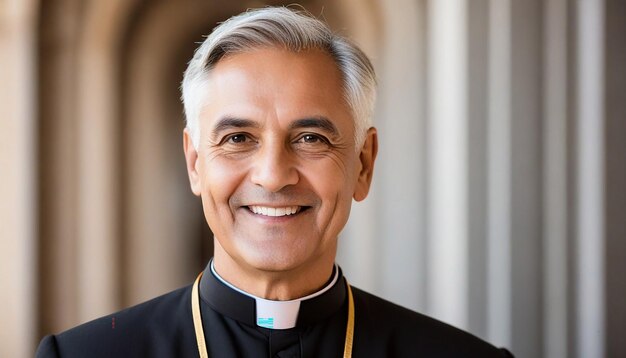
{"x": 251, "y": 85}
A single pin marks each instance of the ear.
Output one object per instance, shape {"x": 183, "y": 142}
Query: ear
{"x": 191, "y": 158}
{"x": 367, "y": 157}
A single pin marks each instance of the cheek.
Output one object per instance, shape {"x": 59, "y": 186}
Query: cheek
{"x": 220, "y": 179}
{"x": 333, "y": 183}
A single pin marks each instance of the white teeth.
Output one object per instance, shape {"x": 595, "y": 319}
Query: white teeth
{"x": 268, "y": 211}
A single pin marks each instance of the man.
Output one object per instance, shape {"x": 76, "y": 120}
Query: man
{"x": 278, "y": 143}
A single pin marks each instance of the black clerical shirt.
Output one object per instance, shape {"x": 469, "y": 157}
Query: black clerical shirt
{"x": 163, "y": 327}
{"x": 229, "y": 321}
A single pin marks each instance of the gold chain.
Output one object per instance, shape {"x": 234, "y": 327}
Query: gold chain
{"x": 197, "y": 322}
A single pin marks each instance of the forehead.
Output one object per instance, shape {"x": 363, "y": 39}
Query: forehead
{"x": 276, "y": 82}
{"x": 311, "y": 65}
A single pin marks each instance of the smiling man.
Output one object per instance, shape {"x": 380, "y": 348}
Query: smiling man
{"x": 278, "y": 144}
{"x": 277, "y": 166}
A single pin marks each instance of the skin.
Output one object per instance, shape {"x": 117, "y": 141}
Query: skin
{"x": 276, "y": 132}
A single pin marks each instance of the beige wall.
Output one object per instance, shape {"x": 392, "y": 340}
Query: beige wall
{"x": 18, "y": 158}
{"x": 497, "y": 205}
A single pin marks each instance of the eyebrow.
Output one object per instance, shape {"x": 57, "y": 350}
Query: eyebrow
{"x": 315, "y": 122}
{"x": 233, "y": 122}
{"x": 311, "y": 122}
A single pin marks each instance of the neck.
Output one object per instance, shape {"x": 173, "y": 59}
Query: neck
{"x": 277, "y": 285}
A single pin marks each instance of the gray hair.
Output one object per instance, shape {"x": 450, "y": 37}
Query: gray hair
{"x": 294, "y": 31}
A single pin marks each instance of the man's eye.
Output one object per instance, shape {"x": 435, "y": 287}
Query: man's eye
{"x": 237, "y": 138}
{"x": 311, "y": 139}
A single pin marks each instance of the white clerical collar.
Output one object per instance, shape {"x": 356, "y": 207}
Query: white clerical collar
{"x": 277, "y": 314}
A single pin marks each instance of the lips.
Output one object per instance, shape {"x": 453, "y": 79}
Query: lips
{"x": 275, "y": 211}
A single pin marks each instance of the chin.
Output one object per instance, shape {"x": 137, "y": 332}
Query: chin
{"x": 271, "y": 261}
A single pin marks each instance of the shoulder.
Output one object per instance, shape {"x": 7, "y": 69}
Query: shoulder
{"x": 403, "y": 332}
{"x": 160, "y": 324}
{"x": 48, "y": 347}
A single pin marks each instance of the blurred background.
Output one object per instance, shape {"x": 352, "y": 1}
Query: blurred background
{"x": 499, "y": 199}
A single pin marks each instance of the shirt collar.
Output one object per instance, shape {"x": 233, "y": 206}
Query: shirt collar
{"x": 246, "y": 308}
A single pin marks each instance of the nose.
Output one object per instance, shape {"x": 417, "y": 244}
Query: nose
{"x": 274, "y": 168}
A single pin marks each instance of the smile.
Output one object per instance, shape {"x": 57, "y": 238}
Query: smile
{"x": 269, "y": 211}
